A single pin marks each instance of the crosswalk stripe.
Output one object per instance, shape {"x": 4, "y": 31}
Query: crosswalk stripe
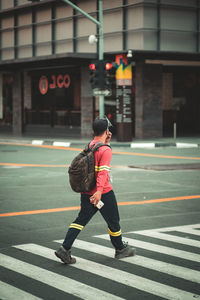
{"x": 168, "y": 237}
{"x": 119, "y": 276}
{"x": 158, "y": 248}
{"x": 191, "y": 229}
{"x": 175, "y": 228}
{"x": 8, "y": 292}
{"x": 142, "y": 261}
{"x": 60, "y": 282}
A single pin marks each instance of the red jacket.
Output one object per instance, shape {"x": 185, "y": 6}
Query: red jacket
{"x": 102, "y": 167}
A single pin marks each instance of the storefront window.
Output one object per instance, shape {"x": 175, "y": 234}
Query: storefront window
{"x": 55, "y": 98}
{"x": 186, "y": 94}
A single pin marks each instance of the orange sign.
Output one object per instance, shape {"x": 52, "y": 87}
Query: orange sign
{"x": 124, "y": 70}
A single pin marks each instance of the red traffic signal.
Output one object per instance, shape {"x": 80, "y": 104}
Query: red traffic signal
{"x": 102, "y": 74}
{"x": 92, "y": 67}
{"x": 108, "y": 66}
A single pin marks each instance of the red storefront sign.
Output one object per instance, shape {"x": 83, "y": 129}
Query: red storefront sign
{"x": 57, "y": 81}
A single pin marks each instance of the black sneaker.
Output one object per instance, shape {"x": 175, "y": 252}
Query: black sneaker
{"x": 65, "y": 255}
{"x": 125, "y": 252}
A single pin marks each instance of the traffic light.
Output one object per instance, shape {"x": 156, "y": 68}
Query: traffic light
{"x": 109, "y": 74}
{"x": 92, "y": 68}
{"x": 102, "y": 74}
{"x": 95, "y": 73}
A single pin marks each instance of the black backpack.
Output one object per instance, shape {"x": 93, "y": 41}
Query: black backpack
{"x": 82, "y": 170}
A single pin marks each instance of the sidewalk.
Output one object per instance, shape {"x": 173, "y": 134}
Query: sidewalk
{"x": 72, "y": 138}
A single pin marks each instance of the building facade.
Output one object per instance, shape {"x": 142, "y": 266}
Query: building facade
{"x": 44, "y": 58}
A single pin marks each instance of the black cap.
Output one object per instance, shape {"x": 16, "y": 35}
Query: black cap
{"x": 100, "y": 125}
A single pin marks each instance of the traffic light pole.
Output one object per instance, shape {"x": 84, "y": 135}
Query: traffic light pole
{"x": 100, "y": 45}
{"x": 101, "y": 56}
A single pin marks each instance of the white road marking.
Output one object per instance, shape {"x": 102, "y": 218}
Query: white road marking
{"x": 60, "y": 282}
{"x": 190, "y": 231}
{"x": 126, "y": 278}
{"x": 170, "y": 238}
{"x": 158, "y": 248}
{"x": 174, "y": 228}
{"x": 8, "y": 292}
{"x": 142, "y": 261}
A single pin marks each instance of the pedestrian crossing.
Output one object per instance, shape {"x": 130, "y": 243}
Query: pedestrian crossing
{"x": 148, "y": 275}
{"x": 8, "y": 292}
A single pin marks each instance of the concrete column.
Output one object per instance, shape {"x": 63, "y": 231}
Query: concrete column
{"x": 17, "y": 104}
{"x": 148, "y": 101}
{"x": 27, "y": 91}
{"x": 1, "y": 96}
{"x": 86, "y": 104}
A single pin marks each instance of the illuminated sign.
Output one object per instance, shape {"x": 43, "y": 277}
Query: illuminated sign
{"x": 57, "y": 81}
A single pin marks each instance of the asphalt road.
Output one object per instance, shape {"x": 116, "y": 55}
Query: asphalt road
{"x": 158, "y": 193}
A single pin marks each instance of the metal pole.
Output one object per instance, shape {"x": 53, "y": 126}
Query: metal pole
{"x": 100, "y": 30}
{"x": 174, "y": 131}
{"x": 101, "y": 56}
{"x": 82, "y": 12}
{"x": 101, "y": 47}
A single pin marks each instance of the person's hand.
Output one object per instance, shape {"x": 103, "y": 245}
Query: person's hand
{"x": 95, "y": 198}
{"x": 108, "y": 138}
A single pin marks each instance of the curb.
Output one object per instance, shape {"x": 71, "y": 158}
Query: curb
{"x": 131, "y": 145}
{"x": 52, "y": 143}
{"x": 162, "y": 144}
{"x": 75, "y": 143}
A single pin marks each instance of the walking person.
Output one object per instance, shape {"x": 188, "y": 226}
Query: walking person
{"x": 89, "y": 200}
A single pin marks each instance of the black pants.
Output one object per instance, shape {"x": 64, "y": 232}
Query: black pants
{"x": 109, "y": 212}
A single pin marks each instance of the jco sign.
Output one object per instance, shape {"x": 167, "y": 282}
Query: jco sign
{"x": 56, "y": 81}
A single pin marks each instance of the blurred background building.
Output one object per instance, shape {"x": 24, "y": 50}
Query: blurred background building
{"x": 44, "y": 58}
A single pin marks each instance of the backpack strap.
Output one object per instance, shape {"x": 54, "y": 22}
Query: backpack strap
{"x": 95, "y": 146}
{"x": 88, "y": 148}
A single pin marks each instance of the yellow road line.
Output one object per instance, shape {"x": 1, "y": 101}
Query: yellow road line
{"x": 33, "y": 165}
{"x": 51, "y": 210}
